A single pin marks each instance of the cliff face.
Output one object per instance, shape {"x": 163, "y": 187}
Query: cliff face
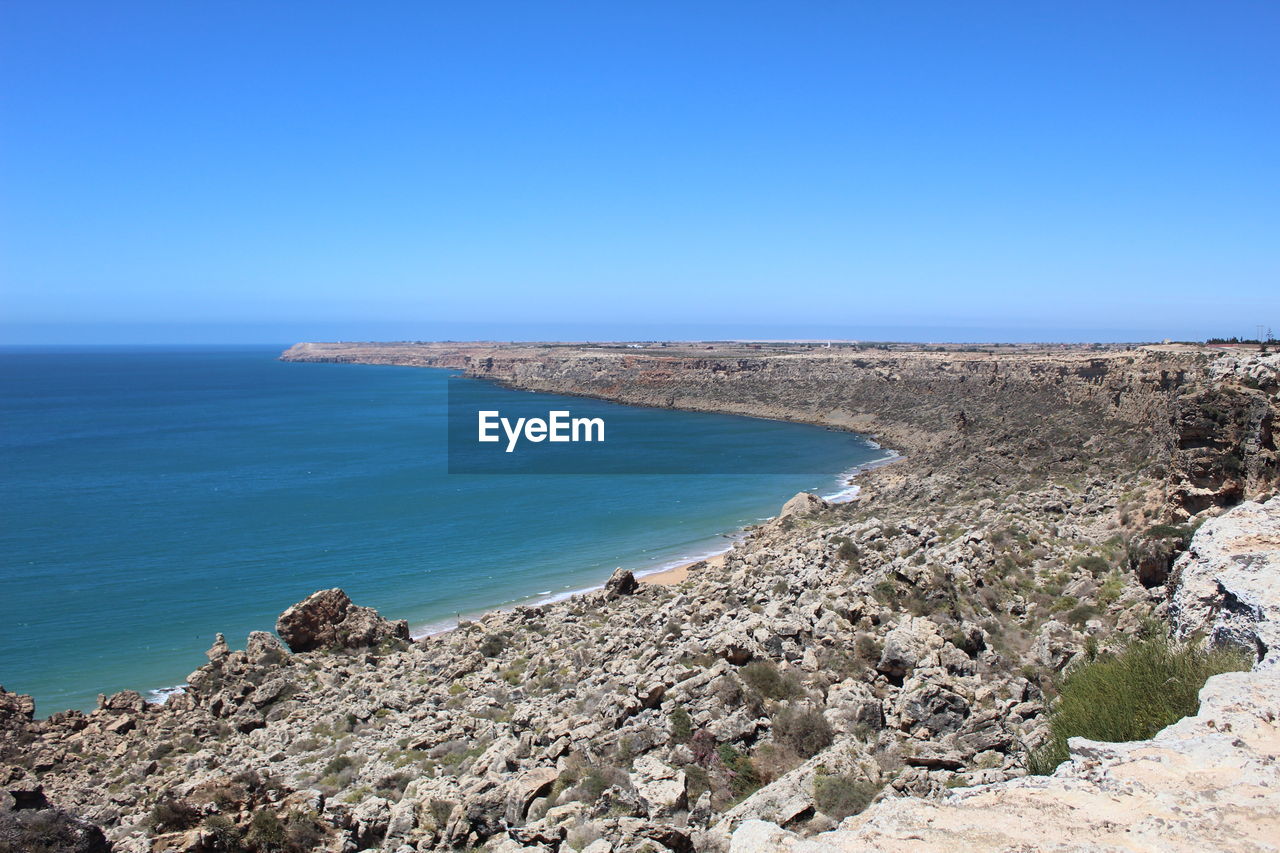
{"x": 1204, "y": 417}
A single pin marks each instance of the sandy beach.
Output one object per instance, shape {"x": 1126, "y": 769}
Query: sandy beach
{"x": 678, "y": 574}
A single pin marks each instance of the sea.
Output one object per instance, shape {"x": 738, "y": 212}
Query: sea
{"x": 154, "y": 496}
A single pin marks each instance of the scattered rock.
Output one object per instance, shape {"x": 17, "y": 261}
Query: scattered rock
{"x": 15, "y": 708}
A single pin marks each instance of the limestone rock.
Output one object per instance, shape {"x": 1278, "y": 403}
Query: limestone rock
{"x": 805, "y": 503}
{"x": 928, "y": 704}
{"x": 758, "y": 836}
{"x": 527, "y": 788}
{"x": 1227, "y": 581}
{"x": 219, "y": 650}
{"x": 328, "y": 619}
{"x": 263, "y": 647}
{"x": 1055, "y": 645}
{"x": 662, "y": 789}
{"x": 914, "y": 642}
{"x": 126, "y": 700}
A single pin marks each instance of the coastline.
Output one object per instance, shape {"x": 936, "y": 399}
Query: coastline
{"x": 679, "y": 574}
{"x": 506, "y": 714}
{"x": 671, "y": 570}
{"x": 669, "y": 573}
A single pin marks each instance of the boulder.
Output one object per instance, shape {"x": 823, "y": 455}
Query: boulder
{"x": 1055, "y": 645}
{"x": 735, "y": 645}
{"x": 662, "y": 789}
{"x": 758, "y": 836}
{"x": 371, "y": 818}
{"x": 933, "y": 756}
{"x": 126, "y": 700}
{"x": 263, "y": 648}
{"x": 852, "y": 705}
{"x": 804, "y": 503}
{"x": 328, "y": 620}
{"x": 525, "y": 789}
{"x": 930, "y": 705}
{"x": 219, "y": 650}
{"x": 915, "y": 642}
{"x": 621, "y": 582}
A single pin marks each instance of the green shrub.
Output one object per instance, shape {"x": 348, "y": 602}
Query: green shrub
{"x": 868, "y": 649}
{"x": 804, "y": 730}
{"x": 1168, "y": 531}
{"x": 885, "y": 592}
{"x": 306, "y": 831}
{"x": 339, "y": 763}
{"x": 266, "y": 831}
{"x": 763, "y": 677}
{"x": 699, "y": 780}
{"x": 838, "y": 797}
{"x": 1148, "y": 685}
{"x": 681, "y": 725}
{"x": 743, "y": 778}
{"x": 1083, "y": 613}
{"x": 492, "y": 645}
{"x": 1063, "y": 602}
{"x": 223, "y": 830}
{"x": 1095, "y": 565}
{"x": 171, "y": 814}
{"x": 440, "y": 811}
{"x": 1110, "y": 590}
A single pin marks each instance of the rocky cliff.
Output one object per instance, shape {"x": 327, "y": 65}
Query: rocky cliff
{"x": 1209, "y": 782}
{"x": 1205, "y": 417}
{"x": 892, "y": 649}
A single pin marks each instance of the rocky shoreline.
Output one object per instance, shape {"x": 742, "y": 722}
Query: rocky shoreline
{"x": 889, "y": 651}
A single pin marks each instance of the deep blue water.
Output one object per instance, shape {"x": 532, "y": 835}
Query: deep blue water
{"x": 156, "y": 496}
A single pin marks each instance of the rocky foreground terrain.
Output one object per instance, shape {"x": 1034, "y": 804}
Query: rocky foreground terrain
{"x": 870, "y": 675}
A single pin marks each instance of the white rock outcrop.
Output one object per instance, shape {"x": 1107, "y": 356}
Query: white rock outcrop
{"x": 1208, "y": 782}
{"x": 1228, "y": 581}
{"x": 803, "y": 503}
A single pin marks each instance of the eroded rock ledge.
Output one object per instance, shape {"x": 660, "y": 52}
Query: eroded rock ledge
{"x": 1208, "y": 782}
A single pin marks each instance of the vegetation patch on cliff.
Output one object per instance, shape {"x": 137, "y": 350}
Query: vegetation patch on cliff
{"x": 1131, "y": 694}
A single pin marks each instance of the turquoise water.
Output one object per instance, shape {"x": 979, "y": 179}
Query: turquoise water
{"x": 156, "y": 496}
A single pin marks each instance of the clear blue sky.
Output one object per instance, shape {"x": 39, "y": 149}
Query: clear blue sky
{"x": 275, "y": 171}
